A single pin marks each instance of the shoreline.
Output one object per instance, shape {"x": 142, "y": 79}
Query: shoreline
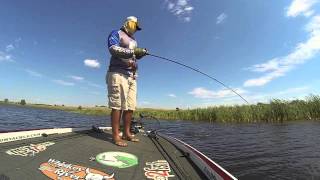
{"x": 275, "y": 111}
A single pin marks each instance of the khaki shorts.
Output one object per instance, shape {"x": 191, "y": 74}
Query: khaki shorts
{"x": 122, "y": 91}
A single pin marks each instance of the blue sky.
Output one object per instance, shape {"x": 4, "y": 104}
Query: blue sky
{"x": 55, "y": 52}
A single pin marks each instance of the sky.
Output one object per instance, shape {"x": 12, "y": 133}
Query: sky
{"x": 55, "y": 52}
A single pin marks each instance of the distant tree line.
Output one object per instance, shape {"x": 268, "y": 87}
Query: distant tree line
{"x": 22, "y": 102}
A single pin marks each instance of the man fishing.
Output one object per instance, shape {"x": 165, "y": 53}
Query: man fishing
{"x": 121, "y": 77}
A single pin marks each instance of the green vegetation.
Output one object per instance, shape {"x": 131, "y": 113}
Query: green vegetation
{"x": 275, "y": 111}
{"x": 23, "y": 102}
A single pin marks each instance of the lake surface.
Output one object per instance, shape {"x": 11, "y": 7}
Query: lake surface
{"x": 248, "y": 151}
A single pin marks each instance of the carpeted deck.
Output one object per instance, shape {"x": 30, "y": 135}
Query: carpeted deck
{"x": 73, "y": 156}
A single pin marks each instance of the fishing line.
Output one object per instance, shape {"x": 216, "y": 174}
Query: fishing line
{"x": 197, "y": 70}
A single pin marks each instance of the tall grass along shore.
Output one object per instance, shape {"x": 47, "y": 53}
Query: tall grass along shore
{"x": 274, "y": 111}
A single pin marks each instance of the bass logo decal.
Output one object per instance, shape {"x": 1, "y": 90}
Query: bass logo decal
{"x": 58, "y": 170}
{"x": 117, "y": 159}
{"x": 157, "y": 170}
{"x": 30, "y": 150}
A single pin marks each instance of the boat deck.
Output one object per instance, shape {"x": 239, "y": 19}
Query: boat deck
{"x": 74, "y": 156}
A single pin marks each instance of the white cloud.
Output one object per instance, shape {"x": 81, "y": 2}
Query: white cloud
{"x": 145, "y": 103}
{"x": 76, "y": 78}
{"x": 9, "y": 47}
{"x": 79, "y": 52}
{"x": 62, "y": 82}
{"x": 298, "y": 7}
{"x": 279, "y": 66}
{"x": 33, "y": 73}
{"x": 170, "y": 5}
{"x": 203, "y": 93}
{"x": 187, "y": 19}
{"x": 92, "y": 63}
{"x": 288, "y": 94}
{"x": 84, "y": 88}
{"x": 95, "y": 93}
{"x": 302, "y": 89}
{"x": 314, "y": 26}
{"x": 172, "y": 95}
{"x": 17, "y": 40}
{"x": 95, "y": 85}
{"x": 189, "y": 8}
{"x": 180, "y": 8}
{"x": 5, "y": 57}
{"x": 271, "y": 65}
{"x": 221, "y": 18}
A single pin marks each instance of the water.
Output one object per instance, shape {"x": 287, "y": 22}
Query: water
{"x": 248, "y": 151}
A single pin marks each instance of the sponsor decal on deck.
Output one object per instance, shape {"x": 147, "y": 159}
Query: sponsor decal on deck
{"x": 29, "y": 150}
{"x": 158, "y": 170}
{"x": 58, "y": 170}
{"x": 117, "y": 159}
{"x": 20, "y": 137}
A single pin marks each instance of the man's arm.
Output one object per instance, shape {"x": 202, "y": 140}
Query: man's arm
{"x": 115, "y": 49}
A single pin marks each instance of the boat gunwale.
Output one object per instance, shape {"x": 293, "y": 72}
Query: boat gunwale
{"x": 200, "y": 159}
{"x": 17, "y": 135}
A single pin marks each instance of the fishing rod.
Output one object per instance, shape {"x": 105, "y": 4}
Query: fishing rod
{"x": 197, "y": 70}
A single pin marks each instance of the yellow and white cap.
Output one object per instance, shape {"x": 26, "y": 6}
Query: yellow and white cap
{"x": 134, "y": 19}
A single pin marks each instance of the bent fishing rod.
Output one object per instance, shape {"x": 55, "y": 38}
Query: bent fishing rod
{"x": 197, "y": 70}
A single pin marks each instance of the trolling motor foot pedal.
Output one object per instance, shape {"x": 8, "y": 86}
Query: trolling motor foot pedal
{"x": 152, "y": 134}
{"x": 96, "y": 129}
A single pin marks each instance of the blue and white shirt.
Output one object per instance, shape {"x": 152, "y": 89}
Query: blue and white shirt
{"x": 121, "y": 46}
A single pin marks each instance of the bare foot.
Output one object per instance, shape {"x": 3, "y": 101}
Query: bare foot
{"x": 120, "y": 143}
{"x": 130, "y": 138}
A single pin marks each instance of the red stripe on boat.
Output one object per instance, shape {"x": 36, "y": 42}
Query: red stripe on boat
{"x": 217, "y": 169}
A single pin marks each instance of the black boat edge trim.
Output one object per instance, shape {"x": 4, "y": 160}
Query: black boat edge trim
{"x": 200, "y": 159}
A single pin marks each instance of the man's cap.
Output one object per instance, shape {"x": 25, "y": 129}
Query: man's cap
{"x": 134, "y": 19}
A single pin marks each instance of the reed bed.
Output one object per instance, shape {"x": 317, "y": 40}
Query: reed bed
{"x": 275, "y": 111}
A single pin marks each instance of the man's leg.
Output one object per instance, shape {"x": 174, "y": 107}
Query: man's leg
{"x": 115, "y": 123}
{"x": 127, "y": 124}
